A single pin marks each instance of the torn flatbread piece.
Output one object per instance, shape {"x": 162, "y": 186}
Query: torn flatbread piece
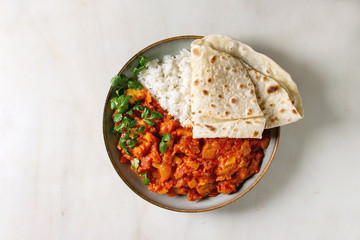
{"x": 277, "y": 93}
{"x": 273, "y": 100}
{"x": 223, "y": 100}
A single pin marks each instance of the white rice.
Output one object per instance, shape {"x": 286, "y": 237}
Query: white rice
{"x": 168, "y": 82}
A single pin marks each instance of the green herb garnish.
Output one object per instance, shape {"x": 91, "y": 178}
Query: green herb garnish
{"x": 131, "y": 143}
{"x": 155, "y": 115}
{"x": 117, "y": 117}
{"x": 123, "y": 146}
{"x": 135, "y": 163}
{"x": 143, "y": 61}
{"x": 135, "y": 85}
{"x": 146, "y": 181}
{"x": 138, "y": 107}
{"x": 165, "y": 138}
{"x": 119, "y": 80}
{"x": 146, "y": 112}
{"x": 151, "y": 123}
{"x": 141, "y": 65}
{"x": 140, "y": 129}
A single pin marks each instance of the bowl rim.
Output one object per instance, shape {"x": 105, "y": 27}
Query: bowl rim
{"x": 143, "y": 196}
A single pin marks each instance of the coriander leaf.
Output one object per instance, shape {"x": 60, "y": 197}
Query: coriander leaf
{"x": 138, "y": 107}
{"x": 123, "y": 105}
{"x": 135, "y": 85}
{"x": 132, "y": 143}
{"x": 151, "y": 123}
{"x": 145, "y": 113}
{"x": 126, "y": 136}
{"x": 135, "y": 136}
{"x": 114, "y": 102}
{"x": 122, "y": 145}
{"x": 119, "y": 91}
{"x": 140, "y": 129}
{"x": 166, "y": 137}
{"x": 135, "y": 163}
{"x": 136, "y": 71}
{"x": 117, "y": 129}
{"x": 146, "y": 181}
{"x": 162, "y": 147}
{"x": 143, "y": 61}
{"x": 119, "y": 81}
{"x": 138, "y": 102}
{"x": 130, "y": 112}
{"x": 117, "y": 117}
{"x": 155, "y": 115}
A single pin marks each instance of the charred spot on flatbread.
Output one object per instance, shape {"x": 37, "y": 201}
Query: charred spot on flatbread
{"x": 282, "y": 110}
{"x": 241, "y": 86}
{"x": 211, "y": 128}
{"x": 213, "y": 59}
{"x": 249, "y": 112}
{"x": 248, "y": 122}
{"x": 213, "y": 105}
{"x": 294, "y": 111}
{"x": 233, "y": 100}
{"x": 227, "y": 113}
{"x": 205, "y": 92}
{"x": 196, "y": 52}
{"x": 272, "y": 89}
{"x": 255, "y": 134}
{"x": 196, "y": 82}
{"x": 271, "y": 105}
{"x": 233, "y": 70}
{"x": 220, "y": 96}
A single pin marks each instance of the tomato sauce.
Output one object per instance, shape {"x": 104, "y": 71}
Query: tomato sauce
{"x": 196, "y": 168}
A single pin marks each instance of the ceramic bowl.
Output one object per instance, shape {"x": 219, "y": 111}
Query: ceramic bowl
{"x": 172, "y": 46}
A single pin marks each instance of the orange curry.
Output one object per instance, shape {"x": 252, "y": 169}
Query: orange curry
{"x": 196, "y": 168}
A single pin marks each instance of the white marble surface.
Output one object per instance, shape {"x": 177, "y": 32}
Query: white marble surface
{"x": 56, "y": 59}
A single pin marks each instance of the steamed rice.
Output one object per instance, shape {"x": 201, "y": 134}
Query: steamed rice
{"x": 168, "y": 82}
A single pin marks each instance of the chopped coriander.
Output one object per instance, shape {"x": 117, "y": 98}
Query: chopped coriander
{"x": 135, "y": 136}
{"x": 145, "y": 113}
{"x": 130, "y": 112}
{"x": 122, "y": 145}
{"x": 119, "y": 91}
{"x": 123, "y": 103}
{"x": 117, "y": 117}
{"x": 143, "y": 61}
{"x": 135, "y": 85}
{"x": 136, "y": 71}
{"x": 132, "y": 143}
{"x": 146, "y": 181}
{"x": 117, "y": 129}
{"x": 138, "y": 102}
{"x": 151, "y": 123}
{"x": 155, "y": 115}
{"x": 166, "y": 137}
{"x": 114, "y": 102}
{"x": 126, "y": 136}
{"x": 119, "y": 80}
{"x": 162, "y": 147}
{"x": 135, "y": 163}
{"x": 129, "y": 122}
{"x": 138, "y": 107}
{"x": 140, "y": 129}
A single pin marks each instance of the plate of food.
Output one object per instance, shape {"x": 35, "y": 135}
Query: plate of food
{"x": 192, "y": 123}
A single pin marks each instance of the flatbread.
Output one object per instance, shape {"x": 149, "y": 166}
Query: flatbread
{"x": 262, "y": 67}
{"x": 223, "y": 100}
{"x": 273, "y": 100}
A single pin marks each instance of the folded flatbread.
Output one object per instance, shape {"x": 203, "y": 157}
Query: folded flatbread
{"x": 276, "y": 92}
{"x": 223, "y": 99}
